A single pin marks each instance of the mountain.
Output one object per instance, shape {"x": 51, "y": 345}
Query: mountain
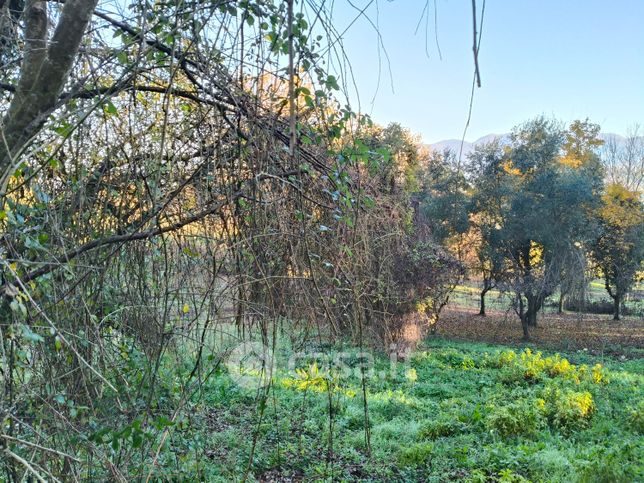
{"x": 468, "y": 147}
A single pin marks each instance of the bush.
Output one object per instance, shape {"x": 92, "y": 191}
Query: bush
{"x": 503, "y": 476}
{"x": 455, "y": 359}
{"x": 440, "y": 428}
{"x": 566, "y": 409}
{"x": 416, "y": 454}
{"x": 636, "y": 417}
{"x": 532, "y": 366}
{"x": 617, "y": 465}
{"x": 516, "y": 419}
{"x": 501, "y": 359}
{"x": 574, "y": 304}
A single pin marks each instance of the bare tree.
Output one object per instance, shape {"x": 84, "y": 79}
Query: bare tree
{"x": 624, "y": 160}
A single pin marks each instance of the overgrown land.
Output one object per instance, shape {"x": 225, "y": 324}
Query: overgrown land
{"x": 212, "y": 268}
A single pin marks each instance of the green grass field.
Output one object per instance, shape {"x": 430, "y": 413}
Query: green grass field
{"x": 455, "y": 411}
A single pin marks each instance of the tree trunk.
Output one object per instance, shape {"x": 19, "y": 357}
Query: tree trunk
{"x": 561, "y": 303}
{"x": 482, "y": 309}
{"x": 43, "y": 72}
{"x": 532, "y": 319}
{"x": 533, "y": 308}
{"x": 617, "y": 300}
{"x": 524, "y": 320}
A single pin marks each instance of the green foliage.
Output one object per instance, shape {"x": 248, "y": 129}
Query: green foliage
{"x": 567, "y": 409}
{"x": 444, "y": 196}
{"x": 533, "y": 201}
{"x": 636, "y": 417}
{"x": 435, "y": 429}
{"x": 620, "y": 464}
{"x": 457, "y": 418}
{"x": 517, "y": 419}
{"x": 532, "y": 366}
{"x": 417, "y": 454}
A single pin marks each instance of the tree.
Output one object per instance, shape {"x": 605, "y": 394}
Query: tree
{"x": 619, "y": 249}
{"x": 43, "y": 73}
{"x": 141, "y": 165}
{"x": 491, "y": 264}
{"x": 624, "y": 160}
{"x": 399, "y": 168}
{"x": 444, "y": 199}
{"x": 536, "y": 194}
{"x": 485, "y": 218}
{"x": 572, "y": 274}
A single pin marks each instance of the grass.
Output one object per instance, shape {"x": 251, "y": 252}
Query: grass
{"x": 455, "y": 411}
{"x": 467, "y": 295}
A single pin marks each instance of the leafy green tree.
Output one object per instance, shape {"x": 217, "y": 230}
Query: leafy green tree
{"x": 399, "y": 167}
{"x": 538, "y": 207}
{"x": 485, "y": 217}
{"x": 444, "y": 197}
{"x": 619, "y": 247}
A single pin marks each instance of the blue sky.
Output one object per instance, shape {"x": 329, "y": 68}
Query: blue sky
{"x": 564, "y": 58}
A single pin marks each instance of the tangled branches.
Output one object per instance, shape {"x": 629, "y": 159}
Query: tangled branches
{"x": 175, "y": 178}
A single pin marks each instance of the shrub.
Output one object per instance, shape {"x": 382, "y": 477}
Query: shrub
{"x": 566, "y": 409}
{"x": 468, "y": 363}
{"x": 504, "y": 476}
{"x": 595, "y": 307}
{"x": 516, "y": 419}
{"x": 455, "y": 358}
{"x": 532, "y": 366}
{"x": 599, "y": 374}
{"x": 501, "y": 359}
{"x": 416, "y": 454}
{"x": 559, "y": 366}
{"x": 617, "y": 465}
{"x": 551, "y": 464}
{"x": 636, "y": 417}
{"x": 509, "y": 476}
{"x": 439, "y": 428}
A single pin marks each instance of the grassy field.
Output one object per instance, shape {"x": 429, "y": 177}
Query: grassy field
{"x": 467, "y": 295}
{"x": 452, "y": 411}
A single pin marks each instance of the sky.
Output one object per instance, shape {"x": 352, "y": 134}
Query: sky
{"x": 569, "y": 59}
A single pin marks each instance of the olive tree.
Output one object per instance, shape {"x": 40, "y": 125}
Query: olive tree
{"x": 538, "y": 201}
{"x": 618, "y": 249}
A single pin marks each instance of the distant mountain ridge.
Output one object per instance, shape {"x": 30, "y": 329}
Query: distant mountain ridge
{"x": 468, "y": 147}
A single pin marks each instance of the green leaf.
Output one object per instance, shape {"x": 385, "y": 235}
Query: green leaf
{"x": 137, "y": 440}
{"x": 33, "y": 244}
{"x": 162, "y": 422}
{"x": 332, "y": 83}
{"x": 17, "y": 306}
{"x": 28, "y": 334}
{"x": 122, "y": 57}
{"x": 63, "y": 130}
{"x": 109, "y": 108}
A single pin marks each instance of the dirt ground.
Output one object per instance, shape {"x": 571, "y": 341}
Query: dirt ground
{"x": 569, "y": 331}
